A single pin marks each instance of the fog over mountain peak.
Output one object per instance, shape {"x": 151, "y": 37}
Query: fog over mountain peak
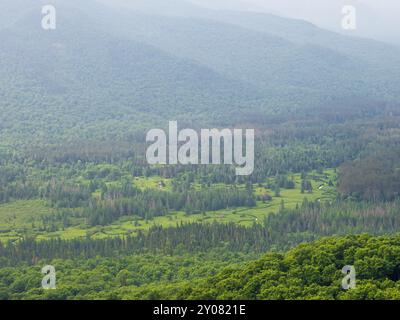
{"x": 376, "y": 19}
{"x": 134, "y": 63}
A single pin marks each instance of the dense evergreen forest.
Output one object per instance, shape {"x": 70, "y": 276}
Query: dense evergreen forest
{"x": 184, "y": 257}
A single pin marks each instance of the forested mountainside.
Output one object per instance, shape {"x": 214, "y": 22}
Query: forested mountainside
{"x": 77, "y": 193}
{"x": 309, "y": 271}
{"x": 111, "y": 70}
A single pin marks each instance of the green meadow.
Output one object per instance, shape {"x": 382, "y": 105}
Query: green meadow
{"x": 25, "y": 217}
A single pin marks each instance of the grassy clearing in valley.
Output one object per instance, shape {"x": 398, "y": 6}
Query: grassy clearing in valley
{"x": 21, "y": 217}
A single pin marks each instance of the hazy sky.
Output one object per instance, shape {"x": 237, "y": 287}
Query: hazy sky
{"x": 377, "y": 18}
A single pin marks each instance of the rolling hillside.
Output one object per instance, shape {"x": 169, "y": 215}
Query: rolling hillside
{"x": 106, "y": 72}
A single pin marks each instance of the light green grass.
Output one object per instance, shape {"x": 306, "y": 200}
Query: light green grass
{"x": 20, "y": 217}
{"x": 152, "y": 183}
{"x": 16, "y": 218}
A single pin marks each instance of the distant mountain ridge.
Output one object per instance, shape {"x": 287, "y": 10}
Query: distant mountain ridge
{"x": 107, "y": 71}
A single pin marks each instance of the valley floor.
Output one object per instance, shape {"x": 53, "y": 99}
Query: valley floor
{"x": 23, "y": 217}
